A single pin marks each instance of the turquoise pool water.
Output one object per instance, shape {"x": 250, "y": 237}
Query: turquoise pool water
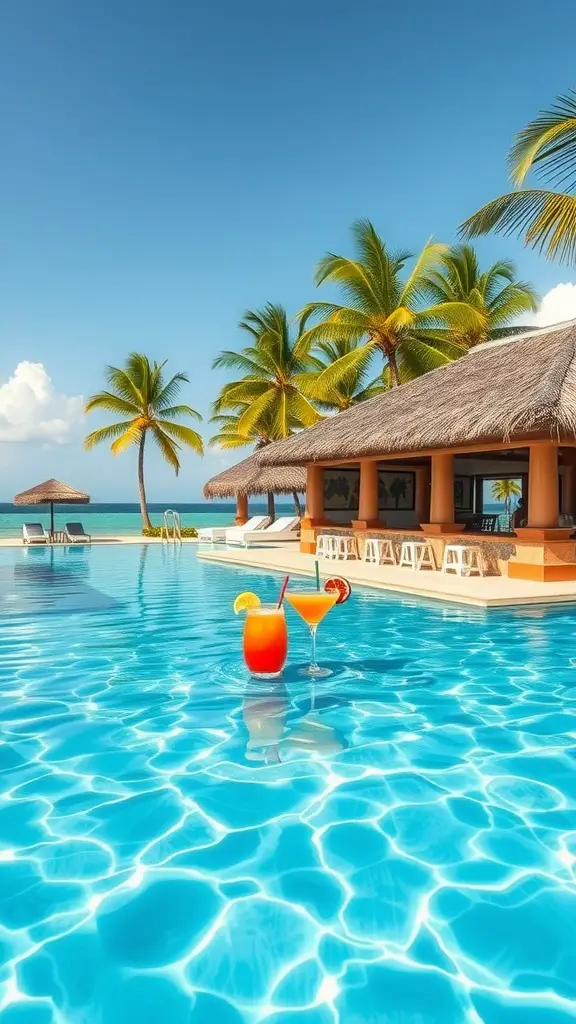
{"x": 180, "y": 845}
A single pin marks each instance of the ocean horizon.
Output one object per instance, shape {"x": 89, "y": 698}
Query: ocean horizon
{"x": 123, "y": 518}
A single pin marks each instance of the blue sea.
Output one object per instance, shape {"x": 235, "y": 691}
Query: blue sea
{"x": 116, "y": 520}
{"x": 111, "y": 519}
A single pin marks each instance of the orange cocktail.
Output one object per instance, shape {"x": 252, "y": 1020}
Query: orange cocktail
{"x": 312, "y": 606}
{"x": 265, "y": 640}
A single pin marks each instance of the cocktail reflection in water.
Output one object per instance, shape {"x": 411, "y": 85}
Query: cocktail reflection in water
{"x": 276, "y": 728}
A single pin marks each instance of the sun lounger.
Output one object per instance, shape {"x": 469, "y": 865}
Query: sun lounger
{"x": 213, "y": 534}
{"x": 284, "y": 528}
{"x": 34, "y": 533}
{"x": 76, "y": 534}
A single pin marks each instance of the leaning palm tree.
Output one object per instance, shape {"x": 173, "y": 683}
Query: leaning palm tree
{"x": 505, "y": 490}
{"x": 142, "y": 396}
{"x": 385, "y": 311}
{"x": 358, "y": 385}
{"x": 546, "y": 219}
{"x": 267, "y": 399}
{"x": 495, "y": 292}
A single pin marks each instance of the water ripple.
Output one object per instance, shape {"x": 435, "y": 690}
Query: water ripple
{"x": 180, "y": 843}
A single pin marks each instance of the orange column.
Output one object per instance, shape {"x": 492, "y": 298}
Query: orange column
{"x": 314, "y": 508}
{"x": 368, "y": 496}
{"x": 314, "y": 492}
{"x": 441, "y": 494}
{"x": 241, "y": 509}
{"x": 568, "y": 489}
{"x": 543, "y": 487}
{"x": 422, "y": 494}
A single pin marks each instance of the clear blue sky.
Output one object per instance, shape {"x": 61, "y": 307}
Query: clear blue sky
{"x": 167, "y": 163}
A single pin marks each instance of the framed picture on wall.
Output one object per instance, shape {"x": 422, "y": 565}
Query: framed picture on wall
{"x": 463, "y": 488}
{"x": 395, "y": 491}
{"x": 341, "y": 490}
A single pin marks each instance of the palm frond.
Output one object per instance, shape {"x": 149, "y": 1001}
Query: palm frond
{"x": 168, "y": 448}
{"x": 260, "y": 408}
{"x": 131, "y": 436}
{"x": 112, "y": 403}
{"x": 104, "y": 434}
{"x": 164, "y": 394}
{"x": 186, "y": 435}
{"x": 171, "y": 411}
{"x": 549, "y": 140}
{"x": 415, "y": 287}
{"x": 120, "y": 382}
{"x": 547, "y": 220}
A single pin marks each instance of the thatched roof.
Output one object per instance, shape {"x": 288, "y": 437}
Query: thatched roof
{"x": 519, "y": 389}
{"x": 51, "y": 491}
{"x": 250, "y": 477}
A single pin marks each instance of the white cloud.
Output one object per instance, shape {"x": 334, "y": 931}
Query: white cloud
{"x": 557, "y": 305}
{"x": 31, "y": 409}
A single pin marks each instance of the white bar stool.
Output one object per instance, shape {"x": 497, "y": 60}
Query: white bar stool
{"x": 346, "y": 546}
{"x": 326, "y": 545}
{"x": 379, "y": 551}
{"x": 417, "y": 554}
{"x": 463, "y": 560}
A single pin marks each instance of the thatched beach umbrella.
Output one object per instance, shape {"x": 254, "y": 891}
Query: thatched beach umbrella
{"x": 51, "y": 492}
{"x": 250, "y": 477}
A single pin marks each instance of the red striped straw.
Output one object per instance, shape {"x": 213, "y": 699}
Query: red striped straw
{"x": 283, "y": 591}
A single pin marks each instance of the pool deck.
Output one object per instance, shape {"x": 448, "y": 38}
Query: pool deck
{"x": 484, "y": 592}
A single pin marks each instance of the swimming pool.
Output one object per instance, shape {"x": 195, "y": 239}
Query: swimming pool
{"x": 180, "y": 845}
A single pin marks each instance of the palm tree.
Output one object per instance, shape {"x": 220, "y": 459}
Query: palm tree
{"x": 228, "y": 438}
{"x": 142, "y": 396}
{"x": 545, "y": 218}
{"x": 385, "y": 312}
{"x": 505, "y": 490}
{"x": 356, "y": 387}
{"x": 495, "y": 293}
{"x": 267, "y": 402}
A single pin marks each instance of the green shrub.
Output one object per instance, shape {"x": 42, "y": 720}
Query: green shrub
{"x": 154, "y": 531}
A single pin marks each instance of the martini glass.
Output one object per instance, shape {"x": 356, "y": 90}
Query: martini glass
{"x": 312, "y": 606}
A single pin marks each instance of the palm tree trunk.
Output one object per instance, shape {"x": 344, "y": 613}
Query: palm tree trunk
{"x": 141, "y": 489}
{"x": 297, "y": 503}
{"x": 271, "y": 508}
{"x": 393, "y": 367}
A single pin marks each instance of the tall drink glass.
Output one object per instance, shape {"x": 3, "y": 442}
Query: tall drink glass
{"x": 265, "y": 641}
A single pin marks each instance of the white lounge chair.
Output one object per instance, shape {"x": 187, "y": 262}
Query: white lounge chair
{"x": 284, "y": 528}
{"x": 76, "y": 534}
{"x": 34, "y": 533}
{"x": 213, "y": 534}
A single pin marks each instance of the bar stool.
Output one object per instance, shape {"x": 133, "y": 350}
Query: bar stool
{"x": 346, "y": 546}
{"x": 326, "y": 545}
{"x": 417, "y": 554}
{"x": 379, "y": 551}
{"x": 463, "y": 560}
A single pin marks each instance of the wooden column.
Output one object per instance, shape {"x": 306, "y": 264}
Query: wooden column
{"x": 241, "y": 509}
{"x": 442, "y": 495}
{"x": 543, "y": 487}
{"x": 422, "y": 494}
{"x": 368, "y": 496}
{"x": 314, "y": 508}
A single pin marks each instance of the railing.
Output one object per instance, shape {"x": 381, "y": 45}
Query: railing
{"x": 171, "y": 530}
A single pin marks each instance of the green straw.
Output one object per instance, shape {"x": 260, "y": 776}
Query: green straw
{"x": 317, "y": 568}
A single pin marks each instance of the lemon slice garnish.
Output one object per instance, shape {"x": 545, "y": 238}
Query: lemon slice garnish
{"x": 245, "y": 601}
